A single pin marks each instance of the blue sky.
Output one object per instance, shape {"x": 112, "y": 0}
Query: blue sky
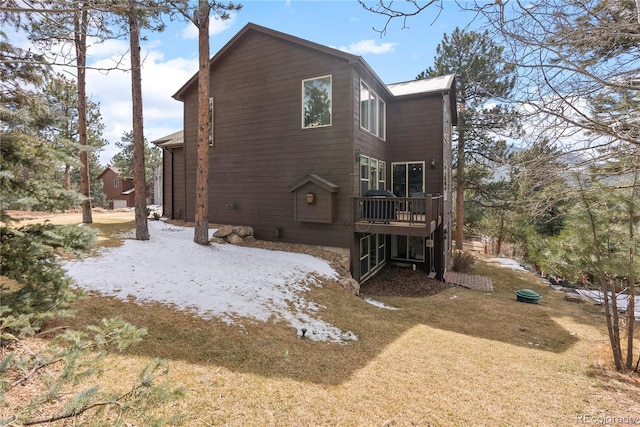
{"x": 171, "y": 57}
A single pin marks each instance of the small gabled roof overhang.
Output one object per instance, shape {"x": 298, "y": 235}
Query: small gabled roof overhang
{"x": 317, "y": 180}
{"x": 354, "y": 60}
{"x": 172, "y": 140}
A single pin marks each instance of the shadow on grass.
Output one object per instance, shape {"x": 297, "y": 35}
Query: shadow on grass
{"x": 275, "y": 350}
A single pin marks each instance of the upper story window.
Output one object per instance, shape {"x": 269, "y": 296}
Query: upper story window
{"x": 373, "y": 112}
{"x": 316, "y": 102}
{"x": 447, "y": 123}
{"x": 116, "y": 183}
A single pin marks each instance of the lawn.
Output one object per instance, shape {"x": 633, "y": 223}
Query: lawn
{"x": 460, "y": 357}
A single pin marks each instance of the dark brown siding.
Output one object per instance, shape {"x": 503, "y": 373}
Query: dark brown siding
{"x": 108, "y": 177}
{"x": 178, "y": 201}
{"x": 167, "y": 183}
{"x": 189, "y": 156}
{"x": 260, "y": 147}
{"x": 415, "y": 134}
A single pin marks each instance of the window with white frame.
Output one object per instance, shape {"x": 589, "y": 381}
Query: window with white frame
{"x": 373, "y": 174}
{"x": 446, "y": 124}
{"x": 373, "y": 112}
{"x": 372, "y": 253}
{"x": 316, "y": 102}
{"x": 407, "y": 248}
{"x": 211, "y": 116}
{"x": 116, "y": 183}
{"x": 445, "y": 179}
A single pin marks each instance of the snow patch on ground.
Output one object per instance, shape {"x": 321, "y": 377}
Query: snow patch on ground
{"x": 507, "y": 263}
{"x": 379, "y": 304}
{"x": 223, "y": 281}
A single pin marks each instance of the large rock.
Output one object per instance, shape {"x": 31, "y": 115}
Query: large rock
{"x": 243, "y": 231}
{"x": 223, "y": 231}
{"x": 350, "y": 284}
{"x": 219, "y": 240}
{"x": 344, "y": 263}
{"x": 234, "y": 239}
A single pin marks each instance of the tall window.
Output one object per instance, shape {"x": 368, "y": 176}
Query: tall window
{"x": 373, "y": 174}
{"x": 211, "y": 122}
{"x": 372, "y": 253}
{"x": 407, "y": 178}
{"x": 116, "y": 183}
{"x": 446, "y": 125}
{"x": 446, "y": 180}
{"x": 316, "y": 102}
{"x": 373, "y": 112}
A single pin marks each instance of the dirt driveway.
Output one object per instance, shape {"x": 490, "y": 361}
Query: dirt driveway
{"x": 72, "y": 217}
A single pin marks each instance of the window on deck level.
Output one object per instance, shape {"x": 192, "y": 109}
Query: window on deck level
{"x": 316, "y": 102}
{"x": 373, "y": 174}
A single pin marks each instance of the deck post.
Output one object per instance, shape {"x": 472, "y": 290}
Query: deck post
{"x": 428, "y": 213}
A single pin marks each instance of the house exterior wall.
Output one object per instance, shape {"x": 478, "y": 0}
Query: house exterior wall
{"x": 108, "y": 178}
{"x": 260, "y": 147}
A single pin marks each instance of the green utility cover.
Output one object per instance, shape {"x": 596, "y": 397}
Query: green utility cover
{"x": 528, "y": 293}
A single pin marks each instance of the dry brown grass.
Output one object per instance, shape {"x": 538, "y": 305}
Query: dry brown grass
{"x": 460, "y": 357}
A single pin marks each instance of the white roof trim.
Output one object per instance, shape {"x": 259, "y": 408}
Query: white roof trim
{"x": 436, "y": 84}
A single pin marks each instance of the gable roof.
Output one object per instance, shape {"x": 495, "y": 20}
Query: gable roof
{"x": 107, "y": 169}
{"x": 413, "y": 87}
{"x": 318, "y": 180}
{"x": 175, "y": 139}
{"x": 251, "y": 27}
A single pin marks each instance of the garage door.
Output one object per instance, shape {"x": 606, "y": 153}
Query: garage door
{"x": 119, "y": 204}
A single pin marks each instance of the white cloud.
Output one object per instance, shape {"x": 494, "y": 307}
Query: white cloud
{"x": 216, "y": 26}
{"x": 370, "y": 46}
{"x": 161, "y": 78}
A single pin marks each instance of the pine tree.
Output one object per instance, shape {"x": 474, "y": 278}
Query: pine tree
{"x": 482, "y": 79}
{"x": 199, "y": 16}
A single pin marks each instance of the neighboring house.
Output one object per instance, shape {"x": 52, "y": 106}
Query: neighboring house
{"x": 300, "y": 133}
{"x": 119, "y": 191}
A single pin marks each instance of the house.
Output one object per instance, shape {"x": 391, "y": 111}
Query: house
{"x": 120, "y": 192}
{"x": 309, "y": 146}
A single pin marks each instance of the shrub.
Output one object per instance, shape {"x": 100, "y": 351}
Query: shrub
{"x": 462, "y": 261}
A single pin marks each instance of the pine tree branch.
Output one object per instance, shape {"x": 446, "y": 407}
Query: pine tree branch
{"x": 63, "y": 416}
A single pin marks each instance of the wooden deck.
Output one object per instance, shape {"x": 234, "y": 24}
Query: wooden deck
{"x": 400, "y": 215}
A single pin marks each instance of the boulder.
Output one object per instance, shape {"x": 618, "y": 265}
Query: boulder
{"x": 234, "y": 239}
{"x": 223, "y": 231}
{"x": 219, "y": 240}
{"x": 243, "y": 231}
{"x": 344, "y": 263}
{"x": 350, "y": 284}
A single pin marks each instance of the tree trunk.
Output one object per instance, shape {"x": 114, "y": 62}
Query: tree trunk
{"x": 67, "y": 176}
{"x": 201, "y": 231}
{"x": 459, "y": 233}
{"x": 80, "y": 40}
{"x": 142, "y": 231}
{"x": 500, "y": 235}
{"x": 611, "y": 319}
{"x": 631, "y": 307}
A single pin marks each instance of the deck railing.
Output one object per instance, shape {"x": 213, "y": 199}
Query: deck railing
{"x": 399, "y": 210}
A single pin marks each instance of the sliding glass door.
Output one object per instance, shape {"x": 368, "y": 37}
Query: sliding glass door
{"x": 407, "y": 178}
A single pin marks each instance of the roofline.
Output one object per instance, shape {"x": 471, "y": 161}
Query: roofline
{"x": 350, "y": 58}
{"x": 106, "y": 169}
